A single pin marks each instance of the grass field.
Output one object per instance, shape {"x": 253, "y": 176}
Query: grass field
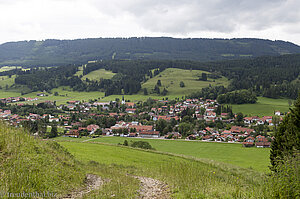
{"x": 186, "y": 178}
{"x": 64, "y": 95}
{"x": 264, "y": 106}
{"x": 231, "y": 153}
{"x": 5, "y": 80}
{"x": 171, "y": 77}
{"x": 98, "y": 74}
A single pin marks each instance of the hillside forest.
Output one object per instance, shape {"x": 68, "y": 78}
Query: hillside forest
{"x": 272, "y": 77}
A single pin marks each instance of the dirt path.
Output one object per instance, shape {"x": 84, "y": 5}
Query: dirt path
{"x": 92, "y": 181}
{"x": 152, "y": 189}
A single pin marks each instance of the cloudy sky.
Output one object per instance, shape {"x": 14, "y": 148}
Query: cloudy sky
{"x": 71, "y": 19}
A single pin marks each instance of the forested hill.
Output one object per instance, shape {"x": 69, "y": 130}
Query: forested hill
{"x": 61, "y": 52}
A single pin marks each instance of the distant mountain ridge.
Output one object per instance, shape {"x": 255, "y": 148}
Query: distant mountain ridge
{"x": 61, "y": 52}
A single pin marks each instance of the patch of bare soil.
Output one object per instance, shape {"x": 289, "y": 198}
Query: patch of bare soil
{"x": 92, "y": 182}
{"x": 152, "y": 189}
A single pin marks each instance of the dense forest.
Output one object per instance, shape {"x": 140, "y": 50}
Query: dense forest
{"x": 40, "y": 79}
{"x": 61, "y": 52}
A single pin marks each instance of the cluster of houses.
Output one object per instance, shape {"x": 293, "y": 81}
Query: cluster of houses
{"x": 236, "y": 134}
{"x": 259, "y": 141}
{"x": 135, "y": 129}
{"x": 202, "y": 110}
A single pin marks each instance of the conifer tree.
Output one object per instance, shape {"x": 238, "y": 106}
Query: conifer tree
{"x": 286, "y": 141}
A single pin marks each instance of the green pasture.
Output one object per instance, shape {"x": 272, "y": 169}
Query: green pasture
{"x": 230, "y": 153}
{"x": 99, "y": 74}
{"x": 5, "y": 94}
{"x": 263, "y": 107}
{"x": 5, "y": 80}
{"x": 64, "y": 95}
{"x": 171, "y": 78}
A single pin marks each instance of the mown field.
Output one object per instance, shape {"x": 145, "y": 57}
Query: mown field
{"x": 264, "y": 106}
{"x": 230, "y": 153}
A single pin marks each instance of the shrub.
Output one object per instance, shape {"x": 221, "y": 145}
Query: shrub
{"x": 142, "y": 145}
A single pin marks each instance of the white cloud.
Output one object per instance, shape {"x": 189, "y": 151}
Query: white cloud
{"x": 70, "y": 19}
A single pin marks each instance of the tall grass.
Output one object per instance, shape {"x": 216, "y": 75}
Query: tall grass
{"x": 285, "y": 182}
{"x": 30, "y": 165}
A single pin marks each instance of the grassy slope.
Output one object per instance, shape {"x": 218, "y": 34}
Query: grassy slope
{"x": 98, "y": 74}
{"x": 186, "y": 178}
{"x": 171, "y": 77}
{"x": 5, "y": 80}
{"x": 264, "y": 106}
{"x": 235, "y": 154}
{"x": 30, "y": 165}
{"x": 64, "y": 95}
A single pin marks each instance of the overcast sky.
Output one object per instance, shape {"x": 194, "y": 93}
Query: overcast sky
{"x": 72, "y": 19}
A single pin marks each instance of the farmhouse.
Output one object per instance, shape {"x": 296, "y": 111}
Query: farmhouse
{"x": 92, "y": 127}
{"x": 262, "y": 142}
{"x": 249, "y": 142}
{"x": 239, "y": 129}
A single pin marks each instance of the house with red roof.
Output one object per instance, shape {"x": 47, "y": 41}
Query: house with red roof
{"x": 239, "y": 129}
{"x": 92, "y": 127}
{"x": 262, "y": 142}
{"x": 249, "y": 142}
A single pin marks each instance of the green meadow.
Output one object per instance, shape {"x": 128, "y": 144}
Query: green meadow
{"x": 5, "y": 80}
{"x": 99, "y": 74}
{"x": 229, "y": 153}
{"x": 171, "y": 78}
{"x": 264, "y": 106}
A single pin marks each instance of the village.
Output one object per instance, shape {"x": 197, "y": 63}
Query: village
{"x": 189, "y": 119}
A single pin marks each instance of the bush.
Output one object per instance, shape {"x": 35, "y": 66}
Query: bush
{"x": 142, "y": 145}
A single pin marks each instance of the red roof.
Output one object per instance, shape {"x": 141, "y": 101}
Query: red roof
{"x": 92, "y": 127}
{"x": 238, "y": 129}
